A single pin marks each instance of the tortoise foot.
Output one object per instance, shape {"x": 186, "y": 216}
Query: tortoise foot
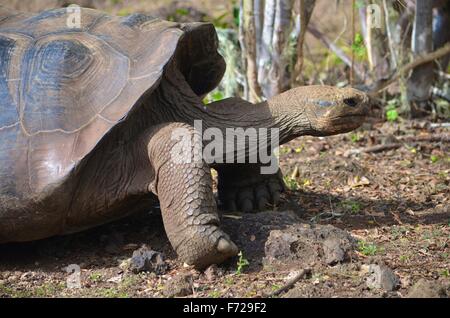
{"x": 203, "y": 247}
{"x": 249, "y": 191}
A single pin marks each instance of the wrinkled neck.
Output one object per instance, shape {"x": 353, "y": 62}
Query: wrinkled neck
{"x": 290, "y": 116}
{"x": 177, "y": 102}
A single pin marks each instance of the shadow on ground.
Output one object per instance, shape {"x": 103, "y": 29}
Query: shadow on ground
{"x": 106, "y": 245}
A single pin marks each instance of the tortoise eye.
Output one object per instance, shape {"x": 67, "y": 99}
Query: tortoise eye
{"x": 352, "y": 102}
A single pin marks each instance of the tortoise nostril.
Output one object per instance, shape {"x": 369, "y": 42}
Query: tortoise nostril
{"x": 352, "y": 102}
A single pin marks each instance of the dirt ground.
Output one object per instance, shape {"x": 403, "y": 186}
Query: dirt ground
{"x": 394, "y": 203}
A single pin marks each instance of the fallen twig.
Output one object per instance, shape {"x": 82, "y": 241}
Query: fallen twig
{"x": 374, "y": 149}
{"x": 408, "y": 67}
{"x": 443, "y": 75}
{"x": 295, "y": 173}
{"x": 359, "y": 71}
{"x": 439, "y": 125}
{"x": 426, "y": 138}
{"x": 440, "y": 94}
{"x": 290, "y": 283}
{"x": 402, "y": 140}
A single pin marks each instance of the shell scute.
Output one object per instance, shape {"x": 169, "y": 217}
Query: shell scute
{"x": 8, "y": 107}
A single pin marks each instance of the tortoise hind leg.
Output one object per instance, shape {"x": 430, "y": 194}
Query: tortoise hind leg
{"x": 184, "y": 188}
{"x": 242, "y": 187}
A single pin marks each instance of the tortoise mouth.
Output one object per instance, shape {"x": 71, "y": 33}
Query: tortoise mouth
{"x": 346, "y": 123}
{"x": 349, "y": 117}
{"x": 356, "y": 116}
{"x": 352, "y": 116}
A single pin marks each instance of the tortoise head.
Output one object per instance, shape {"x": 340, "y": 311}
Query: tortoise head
{"x": 326, "y": 110}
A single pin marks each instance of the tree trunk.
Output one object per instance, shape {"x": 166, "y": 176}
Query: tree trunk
{"x": 305, "y": 10}
{"x": 264, "y": 60}
{"x": 375, "y": 38}
{"x": 248, "y": 37}
{"x": 422, "y": 78}
{"x": 441, "y": 30}
{"x": 273, "y": 62}
{"x": 267, "y": 35}
{"x": 389, "y": 15}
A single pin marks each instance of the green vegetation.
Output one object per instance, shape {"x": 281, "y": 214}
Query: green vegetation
{"x": 358, "y": 46}
{"x": 44, "y": 290}
{"x": 283, "y": 150}
{"x": 48, "y": 290}
{"x": 182, "y": 11}
{"x": 213, "y": 97}
{"x": 434, "y": 159}
{"x": 275, "y": 287}
{"x": 124, "y": 12}
{"x": 241, "y": 264}
{"x": 229, "y": 281}
{"x": 95, "y": 277}
{"x": 299, "y": 149}
{"x": 111, "y": 293}
{"x": 215, "y": 294}
{"x": 398, "y": 231}
{"x": 355, "y": 137}
{"x": 350, "y": 206}
{"x": 6, "y": 290}
{"x": 236, "y": 13}
{"x": 359, "y": 4}
{"x": 391, "y": 110}
{"x": 220, "y": 22}
{"x": 291, "y": 183}
{"x": 367, "y": 249}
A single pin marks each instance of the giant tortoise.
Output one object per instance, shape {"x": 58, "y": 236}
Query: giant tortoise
{"x": 88, "y": 116}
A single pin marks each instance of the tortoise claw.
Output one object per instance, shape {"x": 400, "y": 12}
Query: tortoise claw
{"x": 253, "y": 194}
{"x": 227, "y": 247}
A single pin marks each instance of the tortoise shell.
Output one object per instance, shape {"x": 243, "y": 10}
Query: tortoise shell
{"x": 62, "y": 89}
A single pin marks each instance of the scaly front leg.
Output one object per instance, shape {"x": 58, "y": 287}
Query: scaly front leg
{"x": 183, "y": 185}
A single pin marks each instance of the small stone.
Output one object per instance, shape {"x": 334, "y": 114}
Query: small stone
{"x": 333, "y": 251}
{"x": 291, "y": 275}
{"x": 381, "y": 277}
{"x": 179, "y": 286}
{"x": 26, "y": 276}
{"x": 12, "y": 278}
{"x": 426, "y": 289}
{"x": 329, "y": 284}
{"x": 124, "y": 264}
{"x": 145, "y": 259}
{"x": 364, "y": 270}
{"x": 295, "y": 293}
{"x": 304, "y": 246}
{"x": 115, "y": 279}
